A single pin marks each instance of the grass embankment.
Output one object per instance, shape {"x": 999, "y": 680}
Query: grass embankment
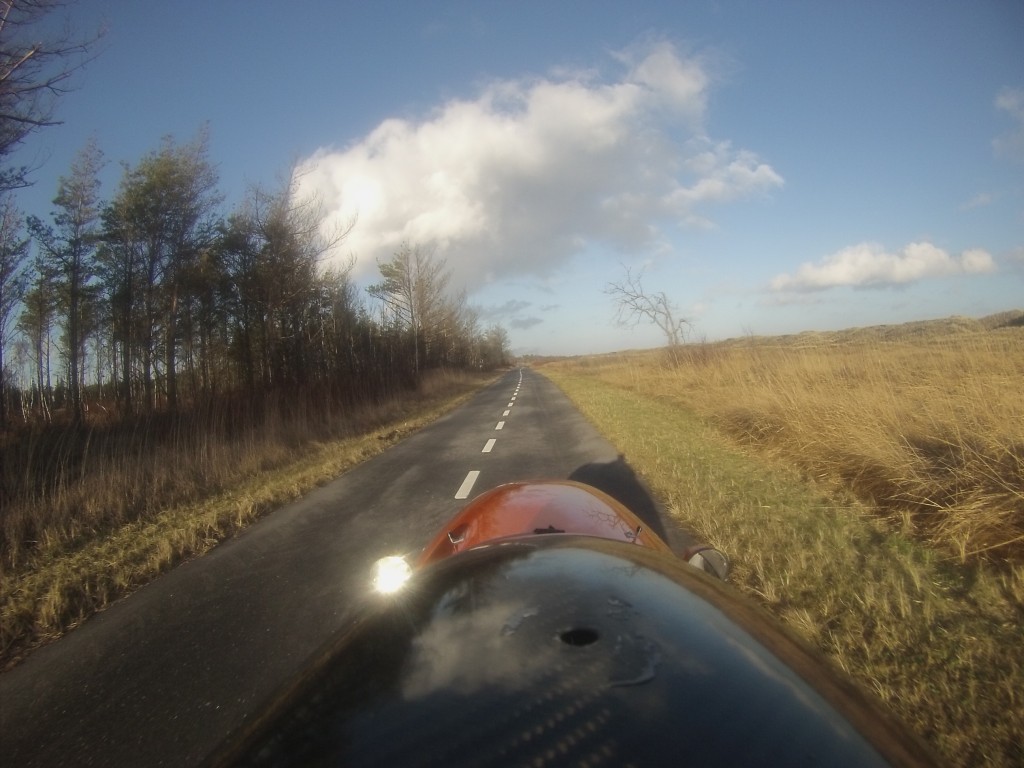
{"x": 82, "y": 563}
{"x": 804, "y": 463}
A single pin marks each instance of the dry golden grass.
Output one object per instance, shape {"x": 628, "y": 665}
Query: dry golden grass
{"x": 868, "y": 489}
{"x": 80, "y": 565}
{"x": 929, "y": 430}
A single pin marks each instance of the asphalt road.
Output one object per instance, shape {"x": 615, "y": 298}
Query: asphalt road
{"x": 161, "y": 677}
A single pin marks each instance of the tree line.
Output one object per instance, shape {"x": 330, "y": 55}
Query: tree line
{"x": 156, "y": 301}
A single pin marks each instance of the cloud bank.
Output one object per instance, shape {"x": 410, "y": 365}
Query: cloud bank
{"x": 532, "y": 171}
{"x": 869, "y": 265}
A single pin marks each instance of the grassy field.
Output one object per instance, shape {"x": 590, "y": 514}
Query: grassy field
{"x": 869, "y": 487}
{"x": 89, "y": 547}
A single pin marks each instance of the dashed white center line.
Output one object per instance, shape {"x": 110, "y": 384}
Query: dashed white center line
{"x": 467, "y": 485}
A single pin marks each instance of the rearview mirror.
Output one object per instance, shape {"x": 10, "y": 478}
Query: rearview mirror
{"x": 710, "y": 560}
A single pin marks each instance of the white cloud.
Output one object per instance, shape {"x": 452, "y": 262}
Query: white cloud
{"x": 980, "y": 200}
{"x": 870, "y": 265}
{"x": 679, "y": 85}
{"x": 1011, "y": 145}
{"x": 529, "y": 172}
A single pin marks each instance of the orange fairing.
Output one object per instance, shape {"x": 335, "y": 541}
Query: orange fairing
{"x": 528, "y": 509}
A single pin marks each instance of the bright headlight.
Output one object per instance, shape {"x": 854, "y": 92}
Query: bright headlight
{"x": 390, "y": 574}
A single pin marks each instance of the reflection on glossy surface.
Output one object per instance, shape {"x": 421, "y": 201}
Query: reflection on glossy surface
{"x": 441, "y": 661}
{"x": 559, "y": 651}
{"x": 523, "y": 509}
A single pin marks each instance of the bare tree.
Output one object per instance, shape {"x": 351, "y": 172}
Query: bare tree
{"x": 13, "y": 281}
{"x": 69, "y": 247}
{"x": 35, "y": 323}
{"x": 36, "y": 65}
{"x": 272, "y": 249}
{"x": 415, "y": 291}
{"x": 157, "y": 227}
{"x": 635, "y": 304}
{"x": 494, "y": 347}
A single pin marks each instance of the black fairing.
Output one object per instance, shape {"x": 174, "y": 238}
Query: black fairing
{"x": 563, "y": 650}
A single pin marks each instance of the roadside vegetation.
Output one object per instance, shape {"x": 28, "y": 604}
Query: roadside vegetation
{"x": 869, "y": 487}
{"x": 190, "y": 490}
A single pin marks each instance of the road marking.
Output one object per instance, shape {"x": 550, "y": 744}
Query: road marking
{"x": 501, "y": 425}
{"x": 490, "y": 444}
{"x": 511, "y": 404}
{"x": 506, "y": 413}
{"x": 467, "y": 485}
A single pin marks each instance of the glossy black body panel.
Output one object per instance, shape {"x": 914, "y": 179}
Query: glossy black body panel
{"x": 561, "y": 650}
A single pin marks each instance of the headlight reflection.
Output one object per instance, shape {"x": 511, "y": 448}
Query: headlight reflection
{"x": 390, "y": 574}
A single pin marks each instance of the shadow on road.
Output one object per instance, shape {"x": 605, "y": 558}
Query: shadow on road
{"x": 618, "y": 480}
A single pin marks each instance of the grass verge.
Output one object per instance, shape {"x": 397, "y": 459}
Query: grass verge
{"x": 60, "y": 586}
{"x": 936, "y": 639}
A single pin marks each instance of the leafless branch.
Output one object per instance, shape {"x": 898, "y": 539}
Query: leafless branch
{"x": 34, "y": 73}
{"x": 634, "y": 304}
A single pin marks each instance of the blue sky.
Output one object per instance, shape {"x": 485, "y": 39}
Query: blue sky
{"x": 772, "y": 167}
